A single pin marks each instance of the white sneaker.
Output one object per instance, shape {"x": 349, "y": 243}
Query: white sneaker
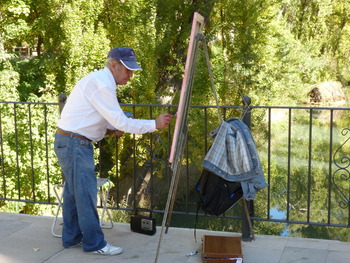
{"x": 109, "y": 250}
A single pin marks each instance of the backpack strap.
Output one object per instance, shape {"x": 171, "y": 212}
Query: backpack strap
{"x": 199, "y": 187}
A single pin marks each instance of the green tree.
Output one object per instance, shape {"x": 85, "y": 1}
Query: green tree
{"x": 323, "y": 29}
{"x": 13, "y": 25}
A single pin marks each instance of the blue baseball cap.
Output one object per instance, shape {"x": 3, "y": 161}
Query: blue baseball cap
{"x": 126, "y": 56}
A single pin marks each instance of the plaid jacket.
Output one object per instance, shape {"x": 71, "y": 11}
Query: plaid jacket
{"x": 233, "y": 156}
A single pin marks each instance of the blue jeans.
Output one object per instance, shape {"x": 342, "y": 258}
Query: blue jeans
{"x": 80, "y": 217}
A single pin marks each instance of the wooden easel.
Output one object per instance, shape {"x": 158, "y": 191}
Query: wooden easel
{"x": 180, "y": 133}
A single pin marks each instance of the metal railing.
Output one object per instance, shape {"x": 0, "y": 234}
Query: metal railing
{"x": 304, "y": 152}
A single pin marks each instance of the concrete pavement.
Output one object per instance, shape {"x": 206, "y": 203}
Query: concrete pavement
{"x": 28, "y": 239}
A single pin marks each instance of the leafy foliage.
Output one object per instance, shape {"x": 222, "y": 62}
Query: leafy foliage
{"x": 260, "y": 48}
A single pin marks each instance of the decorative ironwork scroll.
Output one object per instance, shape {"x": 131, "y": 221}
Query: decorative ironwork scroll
{"x": 342, "y": 173}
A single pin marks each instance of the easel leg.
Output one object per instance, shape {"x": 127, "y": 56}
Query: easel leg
{"x": 247, "y": 218}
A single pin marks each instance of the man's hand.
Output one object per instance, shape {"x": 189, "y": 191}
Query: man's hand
{"x": 163, "y": 120}
{"x": 112, "y": 133}
{"x": 118, "y": 133}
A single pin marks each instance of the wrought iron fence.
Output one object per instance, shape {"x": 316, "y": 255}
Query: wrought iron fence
{"x": 304, "y": 152}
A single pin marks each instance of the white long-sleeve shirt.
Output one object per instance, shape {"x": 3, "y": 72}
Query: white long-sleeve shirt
{"x": 93, "y": 105}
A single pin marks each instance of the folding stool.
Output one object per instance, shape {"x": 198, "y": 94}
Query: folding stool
{"x": 103, "y": 186}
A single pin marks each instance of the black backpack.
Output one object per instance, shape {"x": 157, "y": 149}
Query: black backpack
{"x": 217, "y": 195}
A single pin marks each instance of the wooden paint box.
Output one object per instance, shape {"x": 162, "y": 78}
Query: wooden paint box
{"x": 222, "y": 249}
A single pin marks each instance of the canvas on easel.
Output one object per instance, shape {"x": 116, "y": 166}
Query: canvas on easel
{"x": 180, "y": 131}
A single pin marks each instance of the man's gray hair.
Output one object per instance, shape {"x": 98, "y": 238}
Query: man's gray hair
{"x": 110, "y": 60}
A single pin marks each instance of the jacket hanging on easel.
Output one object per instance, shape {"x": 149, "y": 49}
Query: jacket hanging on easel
{"x": 233, "y": 156}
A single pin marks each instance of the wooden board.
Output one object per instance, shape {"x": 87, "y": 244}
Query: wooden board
{"x": 180, "y": 130}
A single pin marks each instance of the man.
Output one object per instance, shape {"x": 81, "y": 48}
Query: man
{"x": 91, "y": 108}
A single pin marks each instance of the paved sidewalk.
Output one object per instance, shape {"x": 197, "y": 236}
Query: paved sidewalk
{"x": 28, "y": 239}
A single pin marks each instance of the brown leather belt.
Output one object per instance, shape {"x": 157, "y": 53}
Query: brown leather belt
{"x": 59, "y": 131}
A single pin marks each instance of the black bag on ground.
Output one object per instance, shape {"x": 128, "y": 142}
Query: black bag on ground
{"x": 217, "y": 195}
{"x": 143, "y": 224}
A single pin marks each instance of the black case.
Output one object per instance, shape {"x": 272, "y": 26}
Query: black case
{"x": 143, "y": 224}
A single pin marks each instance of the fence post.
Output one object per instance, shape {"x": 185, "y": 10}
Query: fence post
{"x": 62, "y": 100}
{"x": 246, "y": 233}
